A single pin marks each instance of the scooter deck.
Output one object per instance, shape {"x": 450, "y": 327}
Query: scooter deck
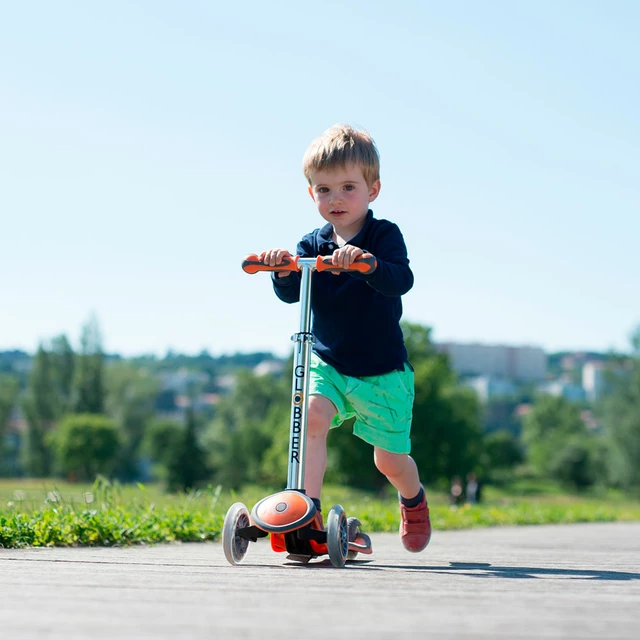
{"x": 310, "y": 542}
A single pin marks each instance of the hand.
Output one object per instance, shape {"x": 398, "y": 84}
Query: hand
{"x": 273, "y": 257}
{"x": 345, "y": 256}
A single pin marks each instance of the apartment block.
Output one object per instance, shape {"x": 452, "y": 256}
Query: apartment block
{"x": 523, "y": 363}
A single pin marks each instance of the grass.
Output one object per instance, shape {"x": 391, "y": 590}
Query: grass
{"x": 47, "y": 513}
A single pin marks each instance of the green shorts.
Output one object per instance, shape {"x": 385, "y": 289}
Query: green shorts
{"x": 381, "y": 405}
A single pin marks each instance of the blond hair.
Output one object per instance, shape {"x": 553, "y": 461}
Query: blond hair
{"x": 339, "y": 146}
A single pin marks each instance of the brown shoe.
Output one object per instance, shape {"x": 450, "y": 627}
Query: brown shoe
{"x": 415, "y": 527}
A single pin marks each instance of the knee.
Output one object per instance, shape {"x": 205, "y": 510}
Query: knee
{"x": 389, "y": 464}
{"x": 320, "y": 413}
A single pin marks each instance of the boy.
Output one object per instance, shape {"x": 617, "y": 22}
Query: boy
{"x": 359, "y": 365}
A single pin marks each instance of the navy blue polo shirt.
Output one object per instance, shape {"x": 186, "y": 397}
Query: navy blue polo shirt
{"x": 356, "y": 317}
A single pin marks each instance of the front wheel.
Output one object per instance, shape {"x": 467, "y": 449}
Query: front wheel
{"x": 337, "y": 536}
{"x": 235, "y": 548}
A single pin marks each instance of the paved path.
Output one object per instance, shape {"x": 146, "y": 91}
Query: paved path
{"x": 578, "y": 581}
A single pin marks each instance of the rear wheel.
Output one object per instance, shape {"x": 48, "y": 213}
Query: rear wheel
{"x": 337, "y": 536}
{"x": 353, "y": 529}
{"x": 235, "y": 548}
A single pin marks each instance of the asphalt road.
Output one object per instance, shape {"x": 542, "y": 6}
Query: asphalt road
{"x": 577, "y": 581}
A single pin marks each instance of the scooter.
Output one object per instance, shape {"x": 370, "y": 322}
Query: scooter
{"x": 290, "y": 517}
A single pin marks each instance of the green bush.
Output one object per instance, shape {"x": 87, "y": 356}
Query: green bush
{"x": 85, "y": 445}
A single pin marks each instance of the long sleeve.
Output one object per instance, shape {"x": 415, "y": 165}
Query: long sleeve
{"x": 393, "y": 276}
{"x": 288, "y": 289}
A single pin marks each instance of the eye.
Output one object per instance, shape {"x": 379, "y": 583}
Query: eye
{"x": 322, "y": 190}
{"x": 349, "y": 187}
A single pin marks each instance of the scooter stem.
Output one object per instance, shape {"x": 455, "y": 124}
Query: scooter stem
{"x": 300, "y": 384}
{"x": 364, "y": 264}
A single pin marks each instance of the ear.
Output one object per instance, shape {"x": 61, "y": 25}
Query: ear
{"x": 374, "y": 190}
{"x": 311, "y": 194}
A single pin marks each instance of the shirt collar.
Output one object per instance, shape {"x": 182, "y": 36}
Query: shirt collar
{"x": 326, "y": 245}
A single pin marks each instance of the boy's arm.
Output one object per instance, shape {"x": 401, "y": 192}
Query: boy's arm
{"x": 288, "y": 288}
{"x": 393, "y": 276}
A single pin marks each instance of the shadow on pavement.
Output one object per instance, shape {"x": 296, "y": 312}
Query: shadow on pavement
{"x": 487, "y": 570}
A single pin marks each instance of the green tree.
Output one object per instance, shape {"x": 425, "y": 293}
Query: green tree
{"x": 88, "y": 387}
{"x": 502, "y": 451}
{"x": 86, "y": 445}
{"x": 243, "y": 429}
{"x": 558, "y": 443}
{"x": 274, "y": 462}
{"x": 620, "y": 412}
{"x": 130, "y": 397}
{"x": 41, "y": 407}
{"x": 63, "y": 367}
{"x": 446, "y": 433}
{"x": 187, "y": 468}
{"x": 161, "y": 440}
{"x": 9, "y": 388}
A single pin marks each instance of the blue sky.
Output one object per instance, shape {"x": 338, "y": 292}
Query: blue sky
{"x": 147, "y": 147}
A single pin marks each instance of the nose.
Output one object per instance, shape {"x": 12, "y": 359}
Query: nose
{"x": 334, "y": 197}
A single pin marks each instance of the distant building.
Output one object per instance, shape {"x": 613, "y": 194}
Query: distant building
{"x": 589, "y": 419}
{"x": 201, "y": 402}
{"x": 594, "y": 379}
{"x": 267, "y": 367}
{"x": 226, "y": 382}
{"x": 522, "y": 364}
{"x": 490, "y": 387}
{"x": 564, "y": 388}
{"x": 182, "y": 380}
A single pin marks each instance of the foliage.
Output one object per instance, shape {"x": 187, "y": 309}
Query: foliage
{"x": 42, "y": 408}
{"x": 446, "y": 436}
{"x": 274, "y": 462}
{"x": 620, "y": 412}
{"x": 558, "y": 442}
{"x": 88, "y": 386}
{"x": 86, "y": 445}
{"x": 62, "y": 371}
{"x": 103, "y": 518}
{"x": 502, "y": 450}
{"x": 8, "y": 396}
{"x": 187, "y": 467}
{"x": 499, "y": 414}
{"x": 245, "y": 428}
{"x": 9, "y": 388}
{"x": 130, "y": 396}
{"x": 15, "y": 363}
{"x": 110, "y": 515}
{"x": 161, "y": 441}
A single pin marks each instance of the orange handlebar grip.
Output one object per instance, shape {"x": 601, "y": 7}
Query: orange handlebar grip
{"x": 366, "y": 263}
{"x": 253, "y": 264}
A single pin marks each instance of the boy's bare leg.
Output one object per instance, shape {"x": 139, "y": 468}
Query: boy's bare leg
{"x": 400, "y": 469}
{"x": 320, "y": 414}
{"x": 402, "y": 473}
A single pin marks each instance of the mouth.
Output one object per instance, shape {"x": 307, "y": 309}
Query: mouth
{"x": 337, "y": 212}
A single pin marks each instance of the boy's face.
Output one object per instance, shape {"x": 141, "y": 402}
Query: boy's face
{"x": 343, "y": 196}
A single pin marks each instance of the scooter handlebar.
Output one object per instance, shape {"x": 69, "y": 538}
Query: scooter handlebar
{"x": 366, "y": 263}
{"x": 253, "y": 264}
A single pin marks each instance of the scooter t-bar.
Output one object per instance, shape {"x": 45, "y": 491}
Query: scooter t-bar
{"x": 365, "y": 264}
